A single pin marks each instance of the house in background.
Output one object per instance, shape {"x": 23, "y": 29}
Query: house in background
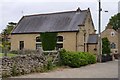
{"x": 74, "y": 28}
{"x": 92, "y": 43}
{"x": 112, "y": 36}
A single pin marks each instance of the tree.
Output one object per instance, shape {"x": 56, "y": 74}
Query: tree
{"x": 105, "y": 46}
{"x": 115, "y": 21}
{"x": 9, "y": 28}
{"x": 5, "y": 36}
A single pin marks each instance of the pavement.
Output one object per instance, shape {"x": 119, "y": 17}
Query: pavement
{"x": 98, "y": 70}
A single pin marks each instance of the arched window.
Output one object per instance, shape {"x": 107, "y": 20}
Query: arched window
{"x": 113, "y": 45}
{"x": 38, "y": 39}
{"x": 59, "y": 42}
{"x": 59, "y": 39}
{"x": 38, "y": 42}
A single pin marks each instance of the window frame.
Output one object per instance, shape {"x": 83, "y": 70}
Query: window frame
{"x": 112, "y": 33}
{"x": 59, "y": 42}
{"x": 21, "y": 45}
{"x": 38, "y": 42}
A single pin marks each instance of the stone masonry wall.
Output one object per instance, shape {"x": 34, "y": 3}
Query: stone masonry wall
{"x": 23, "y": 64}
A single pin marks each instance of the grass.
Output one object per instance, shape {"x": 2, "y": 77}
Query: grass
{"x": 8, "y": 54}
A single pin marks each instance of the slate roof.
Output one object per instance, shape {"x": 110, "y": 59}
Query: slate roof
{"x": 52, "y": 22}
{"x": 93, "y": 39}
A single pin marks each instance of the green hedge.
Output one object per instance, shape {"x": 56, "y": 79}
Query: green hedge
{"x": 49, "y": 40}
{"x": 106, "y": 46}
{"x": 76, "y": 59}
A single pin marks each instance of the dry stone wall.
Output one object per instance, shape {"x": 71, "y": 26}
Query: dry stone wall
{"x": 24, "y": 64}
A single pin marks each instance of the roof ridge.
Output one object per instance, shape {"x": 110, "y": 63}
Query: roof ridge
{"x": 53, "y": 13}
{"x": 48, "y": 13}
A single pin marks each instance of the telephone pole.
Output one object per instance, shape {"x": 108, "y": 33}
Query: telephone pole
{"x": 99, "y": 33}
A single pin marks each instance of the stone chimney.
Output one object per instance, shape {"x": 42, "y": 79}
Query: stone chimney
{"x": 78, "y": 10}
{"x": 109, "y": 26}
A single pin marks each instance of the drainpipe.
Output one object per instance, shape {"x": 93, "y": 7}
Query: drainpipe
{"x": 87, "y": 47}
{"x": 84, "y": 41}
{"x": 76, "y": 40}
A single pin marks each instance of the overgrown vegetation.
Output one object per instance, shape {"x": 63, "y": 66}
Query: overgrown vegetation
{"x": 105, "y": 46}
{"x": 76, "y": 59}
{"x": 15, "y": 71}
{"x": 49, "y": 40}
{"x": 106, "y": 50}
{"x": 5, "y": 35}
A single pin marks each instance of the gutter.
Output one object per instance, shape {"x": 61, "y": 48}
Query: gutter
{"x": 41, "y": 32}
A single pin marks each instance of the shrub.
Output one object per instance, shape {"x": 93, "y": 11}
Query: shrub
{"x": 76, "y": 59}
{"x": 90, "y": 57}
{"x": 105, "y": 46}
{"x": 15, "y": 71}
{"x": 49, "y": 40}
{"x": 49, "y": 63}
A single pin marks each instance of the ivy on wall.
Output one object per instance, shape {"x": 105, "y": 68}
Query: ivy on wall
{"x": 105, "y": 46}
{"x": 49, "y": 40}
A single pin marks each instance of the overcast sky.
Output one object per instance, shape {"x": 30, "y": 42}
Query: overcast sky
{"x": 13, "y": 10}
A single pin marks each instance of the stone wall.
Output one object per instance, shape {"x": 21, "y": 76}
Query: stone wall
{"x": 24, "y": 64}
{"x": 119, "y": 41}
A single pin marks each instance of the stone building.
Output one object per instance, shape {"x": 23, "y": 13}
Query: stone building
{"x": 73, "y": 27}
{"x": 112, "y": 36}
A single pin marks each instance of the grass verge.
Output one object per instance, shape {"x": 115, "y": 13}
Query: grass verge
{"x": 8, "y": 54}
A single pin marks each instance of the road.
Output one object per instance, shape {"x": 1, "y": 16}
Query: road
{"x": 98, "y": 70}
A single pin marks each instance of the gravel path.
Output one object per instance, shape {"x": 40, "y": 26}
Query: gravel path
{"x": 99, "y": 70}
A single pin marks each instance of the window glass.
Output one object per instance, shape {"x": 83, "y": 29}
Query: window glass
{"x": 59, "y": 38}
{"x": 59, "y": 42}
{"x": 38, "y": 46}
{"x": 21, "y": 45}
{"x": 38, "y": 39}
{"x": 113, "y": 45}
{"x": 38, "y": 42}
{"x": 59, "y": 46}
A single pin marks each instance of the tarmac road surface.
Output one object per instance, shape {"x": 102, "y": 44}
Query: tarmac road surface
{"x": 98, "y": 70}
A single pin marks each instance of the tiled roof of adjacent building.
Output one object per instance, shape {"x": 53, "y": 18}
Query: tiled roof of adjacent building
{"x": 52, "y": 22}
{"x": 93, "y": 39}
